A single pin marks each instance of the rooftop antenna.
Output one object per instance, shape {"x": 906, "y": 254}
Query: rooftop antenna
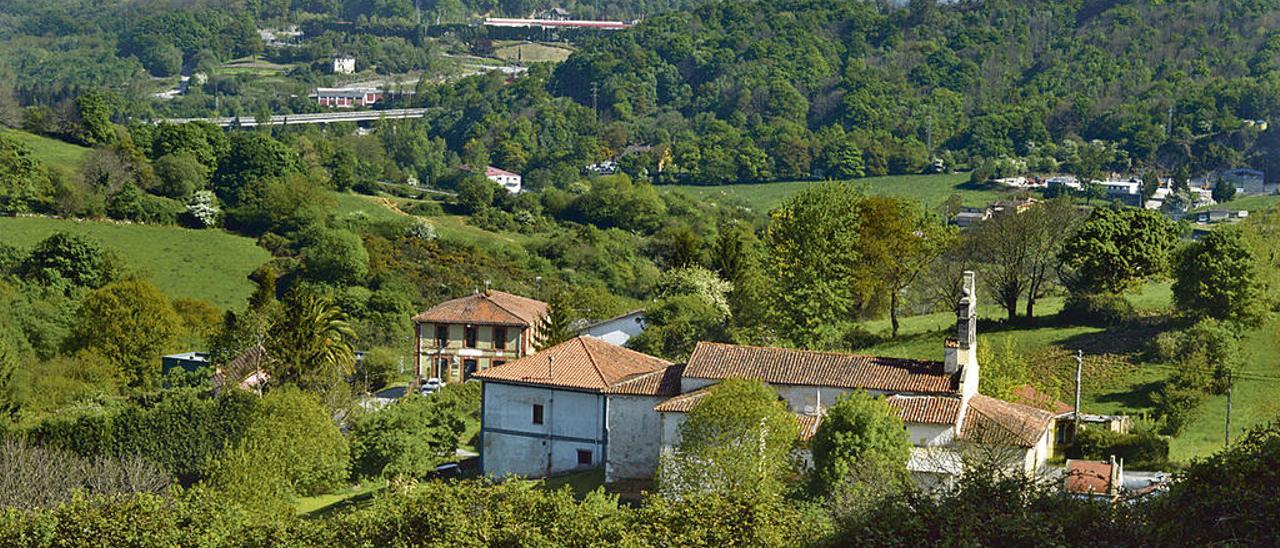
{"x": 550, "y": 359}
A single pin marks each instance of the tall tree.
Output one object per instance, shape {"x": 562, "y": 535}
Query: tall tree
{"x": 814, "y": 260}
{"x": 900, "y": 240}
{"x": 1217, "y": 277}
{"x": 1054, "y": 224}
{"x": 1117, "y": 247}
{"x": 310, "y": 343}
{"x": 131, "y": 324}
{"x": 555, "y": 327}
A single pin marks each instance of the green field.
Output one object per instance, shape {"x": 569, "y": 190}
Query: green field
{"x": 201, "y": 264}
{"x": 448, "y": 227}
{"x": 529, "y": 52}
{"x": 51, "y": 152}
{"x": 931, "y": 190}
{"x": 1248, "y": 203}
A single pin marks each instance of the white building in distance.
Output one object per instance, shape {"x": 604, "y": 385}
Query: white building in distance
{"x": 344, "y": 65}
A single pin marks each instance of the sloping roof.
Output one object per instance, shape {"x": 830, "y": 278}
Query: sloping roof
{"x": 496, "y": 172}
{"x": 684, "y": 402}
{"x": 810, "y": 368}
{"x": 490, "y": 307}
{"x": 1088, "y": 477}
{"x": 926, "y": 409}
{"x": 808, "y": 426}
{"x": 663, "y": 382}
{"x": 582, "y": 363}
{"x": 1028, "y": 395}
{"x": 994, "y": 421}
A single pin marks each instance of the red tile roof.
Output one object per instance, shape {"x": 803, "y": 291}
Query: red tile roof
{"x": 926, "y": 409}
{"x": 490, "y": 307}
{"x": 684, "y": 402}
{"x": 994, "y": 421}
{"x": 583, "y": 363}
{"x": 1028, "y": 395}
{"x": 664, "y": 382}
{"x": 1088, "y": 477}
{"x": 805, "y": 367}
{"x": 496, "y": 172}
{"x": 808, "y": 426}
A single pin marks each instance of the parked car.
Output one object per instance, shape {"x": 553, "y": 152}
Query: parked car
{"x": 431, "y": 385}
{"x": 445, "y": 471}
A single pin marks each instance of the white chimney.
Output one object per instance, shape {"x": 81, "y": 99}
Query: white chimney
{"x": 962, "y": 352}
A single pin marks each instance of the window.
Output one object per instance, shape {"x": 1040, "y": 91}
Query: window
{"x": 500, "y": 338}
{"x": 442, "y": 336}
{"x": 537, "y": 413}
{"x": 584, "y": 457}
{"x": 498, "y": 362}
{"x": 469, "y": 336}
{"x": 469, "y": 368}
{"x": 442, "y": 368}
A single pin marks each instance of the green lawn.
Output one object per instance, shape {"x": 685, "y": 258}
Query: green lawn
{"x": 1248, "y": 203}
{"x": 321, "y": 505}
{"x": 51, "y": 152}
{"x": 201, "y": 264}
{"x": 931, "y": 190}
{"x": 448, "y": 227}
{"x": 580, "y": 482}
{"x": 1116, "y": 379}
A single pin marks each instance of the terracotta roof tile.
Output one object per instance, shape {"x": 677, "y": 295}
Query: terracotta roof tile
{"x": 491, "y": 307}
{"x": 684, "y": 402}
{"x": 584, "y": 363}
{"x": 664, "y": 382}
{"x": 994, "y": 421}
{"x": 805, "y": 367}
{"x": 926, "y": 409}
{"x": 808, "y": 426}
{"x": 1085, "y": 477}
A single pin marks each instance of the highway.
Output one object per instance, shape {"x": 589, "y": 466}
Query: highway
{"x": 319, "y": 118}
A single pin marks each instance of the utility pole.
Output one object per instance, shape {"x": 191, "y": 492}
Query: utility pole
{"x": 595, "y": 100}
{"x": 928, "y": 136}
{"x": 1079, "y": 367}
{"x": 1228, "y": 433}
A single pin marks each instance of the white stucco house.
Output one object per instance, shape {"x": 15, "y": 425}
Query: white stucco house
{"x": 344, "y": 64}
{"x": 618, "y": 329}
{"x": 545, "y": 414}
{"x": 512, "y": 182}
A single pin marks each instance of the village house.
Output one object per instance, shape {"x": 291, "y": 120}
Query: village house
{"x": 344, "y": 64}
{"x": 1094, "y": 479}
{"x": 510, "y": 181}
{"x": 546, "y": 413}
{"x": 459, "y": 337}
{"x": 347, "y": 97}
{"x": 616, "y": 330}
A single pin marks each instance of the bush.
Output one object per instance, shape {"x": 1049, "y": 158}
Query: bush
{"x": 1140, "y": 450}
{"x": 407, "y": 438}
{"x": 425, "y": 208}
{"x": 1206, "y": 356}
{"x": 379, "y": 367}
{"x": 1176, "y": 407}
{"x": 35, "y": 477}
{"x": 1097, "y": 309}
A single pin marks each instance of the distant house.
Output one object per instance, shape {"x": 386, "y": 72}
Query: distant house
{"x": 187, "y": 361}
{"x": 347, "y": 97}
{"x": 553, "y": 14}
{"x": 1220, "y": 215}
{"x": 510, "y": 181}
{"x": 1061, "y": 182}
{"x": 970, "y": 216}
{"x": 460, "y": 337}
{"x": 1248, "y": 181}
{"x": 618, "y": 329}
{"x": 1128, "y": 192}
{"x": 344, "y": 64}
{"x": 1094, "y": 479}
{"x": 1016, "y": 205}
{"x": 546, "y": 413}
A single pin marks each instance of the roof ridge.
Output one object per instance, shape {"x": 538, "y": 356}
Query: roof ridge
{"x": 488, "y": 297}
{"x": 591, "y": 357}
{"x": 810, "y": 351}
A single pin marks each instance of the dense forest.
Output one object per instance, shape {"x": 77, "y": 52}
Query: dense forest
{"x": 744, "y": 91}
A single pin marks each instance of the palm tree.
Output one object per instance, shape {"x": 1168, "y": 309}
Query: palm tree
{"x": 311, "y": 343}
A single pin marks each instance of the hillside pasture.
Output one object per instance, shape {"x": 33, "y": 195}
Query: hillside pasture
{"x": 931, "y": 190}
{"x": 51, "y": 152}
{"x": 212, "y": 265}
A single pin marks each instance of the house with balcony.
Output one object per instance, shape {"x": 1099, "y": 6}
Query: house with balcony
{"x": 458, "y": 338}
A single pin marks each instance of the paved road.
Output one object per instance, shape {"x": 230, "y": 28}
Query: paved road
{"x": 319, "y": 118}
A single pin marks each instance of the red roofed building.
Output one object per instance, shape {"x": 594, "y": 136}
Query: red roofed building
{"x": 1090, "y": 479}
{"x": 547, "y": 413}
{"x": 459, "y": 337}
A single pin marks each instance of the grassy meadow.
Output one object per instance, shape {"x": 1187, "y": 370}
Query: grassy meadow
{"x": 202, "y": 264}
{"x": 50, "y": 152}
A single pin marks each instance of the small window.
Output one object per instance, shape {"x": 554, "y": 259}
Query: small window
{"x": 469, "y": 336}
{"x": 442, "y": 336}
{"x": 584, "y": 457}
{"x": 500, "y": 338}
{"x": 537, "y": 413}
{"x": 498, "y": 362}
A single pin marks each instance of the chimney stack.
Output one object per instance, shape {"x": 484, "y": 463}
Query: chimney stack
{"x": 967, "y": 314}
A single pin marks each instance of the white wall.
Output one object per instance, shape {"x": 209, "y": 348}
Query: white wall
{"x": 635, "y": 438}
{"x": 618, "y": 330}
{"x": 671, "y": 429}
{"x": 512, "y": 444}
